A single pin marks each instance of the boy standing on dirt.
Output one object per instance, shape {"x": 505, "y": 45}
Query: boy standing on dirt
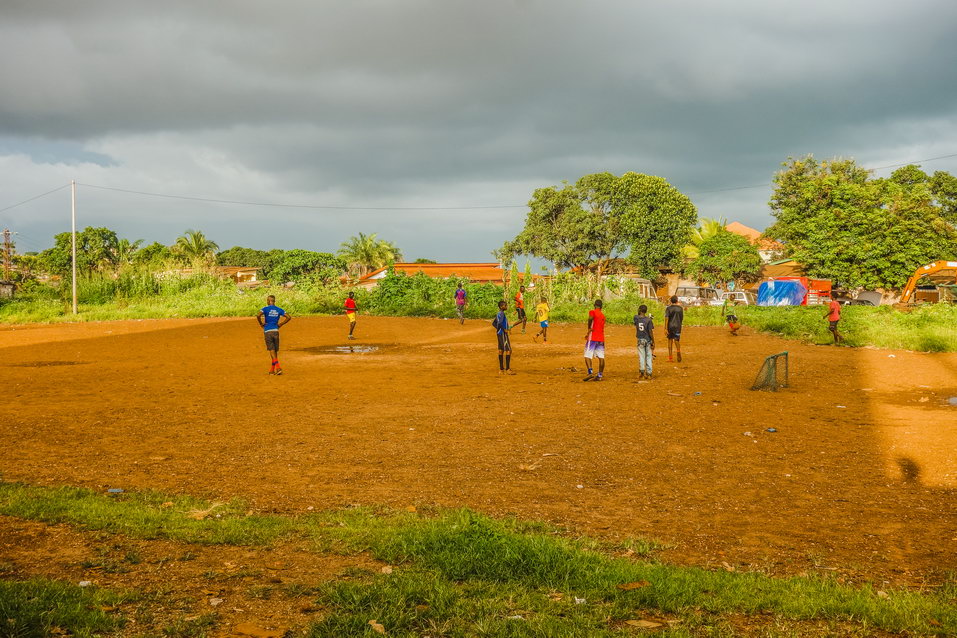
{"x": 460, "y": 301}
{"x": 541, "y": 315}
{"x": 272, "y": 318}
{"x": 674, "y": 317}
{"x": 351, "y": 312}
{"x": 500, "y": 323}
{"x": 644, "y": 330}
{"x": 833, "y": 314}
{"x": 595, "y": 342}
{"x": 520, "y": 307}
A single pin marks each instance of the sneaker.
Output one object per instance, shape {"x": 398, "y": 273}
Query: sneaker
{"x": 641, "y": 374}
{"x": 351, "y": 337}
{"x": 523, "y": 331}
{"x": 671, "y": 359}
{"x": 510, "y": 371}
{"x": 278, "y": 371}
{"x": 599, "y": 378}
{"x": 271, "y": 371}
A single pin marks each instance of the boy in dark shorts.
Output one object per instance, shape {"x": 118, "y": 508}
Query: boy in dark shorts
{"x": 674, "y": 317}
{"x": 644, "y": 330}
{"x": 595, "y": 342}
{"x": 272, "y": 318}
{"x": 731, "y": 319}
{"x": 833, "y": 315}
{"x": 500, "y": 323}
{"x": 520, "y": 307}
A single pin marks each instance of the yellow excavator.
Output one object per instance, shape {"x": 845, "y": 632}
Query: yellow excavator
{"x": 937, "y": 272}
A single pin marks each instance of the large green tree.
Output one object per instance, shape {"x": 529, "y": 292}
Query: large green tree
{"x": 195, "y": 248}
{"x": 859, "y": 231}
{"x": 366, "y": 253}
{"x": 265, "y": 260}
{"x": 602, "y": 217}
{"x": 96, "y": 249}
{"x": 706, "y": 229}
{"x": 725, "y": 256}
{"x": 155, "y": 254}
{"x": 302, "y": 265}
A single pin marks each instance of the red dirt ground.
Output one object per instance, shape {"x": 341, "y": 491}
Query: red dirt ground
{"x": 186, "y": 406}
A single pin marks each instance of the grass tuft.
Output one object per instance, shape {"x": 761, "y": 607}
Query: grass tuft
{"x": 38, "y": 608}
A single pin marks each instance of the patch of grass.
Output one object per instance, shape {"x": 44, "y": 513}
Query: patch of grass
{"x": 40, "y": 608}
{"x": 190, "y": 627}
{"x": 462, "y": 573}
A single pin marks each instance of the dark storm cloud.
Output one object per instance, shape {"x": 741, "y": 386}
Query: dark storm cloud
{"x": 372, "y": 102}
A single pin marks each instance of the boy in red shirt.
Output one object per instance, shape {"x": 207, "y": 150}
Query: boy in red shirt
{"x": 595, "y": 342}
{"x": 351, "y": 311}
{"x": 833, "y": 315}
{"x": 520, "y": 307}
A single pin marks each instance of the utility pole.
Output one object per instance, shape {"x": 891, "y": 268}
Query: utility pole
{"x": 7, "y": 253}
{"x": 73, "y": 220}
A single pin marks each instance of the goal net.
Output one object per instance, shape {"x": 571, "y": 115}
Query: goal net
{"x": 773, "y": 374}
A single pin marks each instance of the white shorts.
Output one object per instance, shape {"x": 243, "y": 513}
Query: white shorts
{"x": 595, "y": 349}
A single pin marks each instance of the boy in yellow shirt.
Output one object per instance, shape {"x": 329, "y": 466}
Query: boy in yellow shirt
{"x": 541, "y": 314}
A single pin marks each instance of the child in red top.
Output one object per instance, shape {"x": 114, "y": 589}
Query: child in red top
{"x": 351, "y": 312}
{"x": 595, "y": 342}
{"x": 520, "y": 307}
{"x": 833, "y": 315}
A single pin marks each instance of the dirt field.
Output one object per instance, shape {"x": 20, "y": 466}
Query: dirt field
{"x": 861, "y": 475}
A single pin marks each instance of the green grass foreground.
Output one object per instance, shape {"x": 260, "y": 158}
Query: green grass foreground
{"x": 38, "y": 608}
{"x": 459, "y": 573}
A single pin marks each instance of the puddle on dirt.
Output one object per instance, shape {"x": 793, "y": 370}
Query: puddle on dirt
{"x": 340, "y": 349}
{"x": 46, "y": 364}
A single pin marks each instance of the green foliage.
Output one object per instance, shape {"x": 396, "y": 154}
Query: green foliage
{"x": 366, "y": 253}
{"x": 725, "y": 256}
{"x": 306, "y": 265}
{"x": 706, "y": 229}
{"x": 421, "y": 295}
{"x": 423, "y": 260}
{"x": 96, "y": 249}
{"x": 126, "y": 251}
{"x": 194, "y": 248}
{"x": 265, "y": 260}
{"x": 153, "y": 255}
{"x": 862, "y": 232}
{"x": 601, "y": 217}
{"x": 39, "y": 608}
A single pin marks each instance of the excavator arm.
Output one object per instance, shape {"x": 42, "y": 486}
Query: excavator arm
{"x": 925, "y": 271}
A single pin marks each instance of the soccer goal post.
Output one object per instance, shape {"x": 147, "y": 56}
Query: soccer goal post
{"x": 773, "y": 374}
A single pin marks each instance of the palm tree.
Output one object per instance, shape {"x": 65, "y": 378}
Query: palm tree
{"x": 707, "y": 228}
{"x": 365, "y": 253}
{"x": 125, "y": 251}
{"x": 195, "y": 248}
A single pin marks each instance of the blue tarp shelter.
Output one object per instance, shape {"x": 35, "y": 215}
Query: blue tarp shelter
{"x": 781, "y": 293}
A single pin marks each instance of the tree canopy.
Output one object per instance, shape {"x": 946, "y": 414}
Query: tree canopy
{"x": 195, "y": 248}
{"x": 859, "y": 231}
{"x": 725, "y": 256}
{"x": 265, "y": 260}
{"x": 96, "y": 249}
{"x": 602, "y": 217}
{"x": 302, "y": 265}
{"x": 366, "y": 253}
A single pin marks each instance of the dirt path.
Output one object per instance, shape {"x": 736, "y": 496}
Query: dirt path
{"x": 187, "y": 407}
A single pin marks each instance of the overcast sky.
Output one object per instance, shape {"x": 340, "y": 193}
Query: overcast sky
{"x": 445, "y": 104}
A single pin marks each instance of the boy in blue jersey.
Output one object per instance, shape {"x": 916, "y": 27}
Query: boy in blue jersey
{"x": 500, "y": 323}
{"x": 272, "y": 318}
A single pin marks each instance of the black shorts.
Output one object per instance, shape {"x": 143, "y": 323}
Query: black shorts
{"x": 272, "y": 340}
{"x": 504, "y": 344}
{"x": 521, "y": 314}
{"x": 833, "y": 325}
{"x": 676, "y": 336}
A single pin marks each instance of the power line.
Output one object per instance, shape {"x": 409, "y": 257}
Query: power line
{"x": 929, "y": 159}
{"x": 309, "y": 206}
{"x": 33, "y": 198}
